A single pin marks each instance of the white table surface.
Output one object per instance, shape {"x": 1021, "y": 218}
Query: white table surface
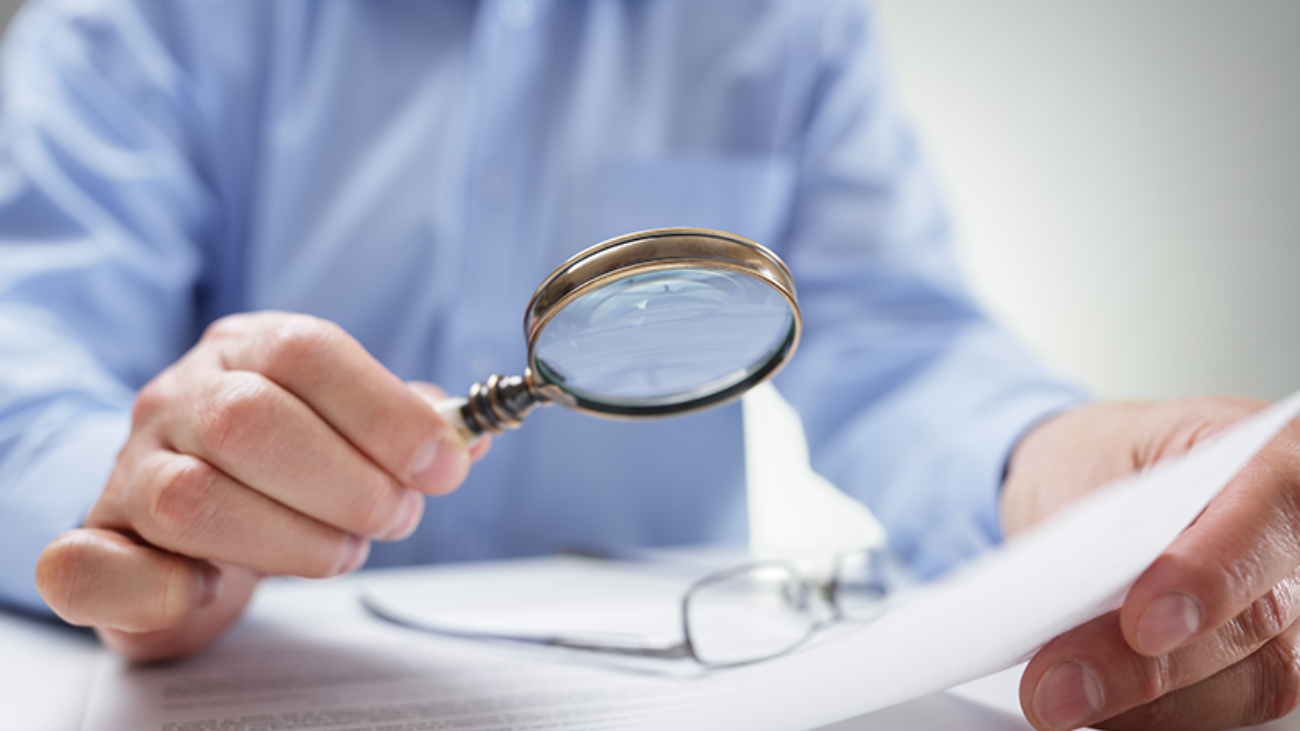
{"x": 46, "y": 673}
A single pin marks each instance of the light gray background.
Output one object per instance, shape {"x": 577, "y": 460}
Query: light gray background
{"x": 1126, "y": 176}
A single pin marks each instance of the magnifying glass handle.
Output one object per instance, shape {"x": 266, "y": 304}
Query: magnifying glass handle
{"x": 493, "y": 406}
{"x": 452, "y": 411}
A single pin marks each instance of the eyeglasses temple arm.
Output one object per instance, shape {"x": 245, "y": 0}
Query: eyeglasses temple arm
{"x": 675, "y": 651}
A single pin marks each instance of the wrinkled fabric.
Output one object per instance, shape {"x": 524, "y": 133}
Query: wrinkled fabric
{"x": 412, "y": 170}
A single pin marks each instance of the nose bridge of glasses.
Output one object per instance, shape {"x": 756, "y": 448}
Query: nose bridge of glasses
{"x": 822, "y": 605}
{"x": 852, "y": 585}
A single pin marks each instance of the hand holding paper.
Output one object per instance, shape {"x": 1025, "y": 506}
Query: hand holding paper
{"x": 1206, "y": 637}
{"x": 1063, "y": 578}
{"x": 1062, "y": 574}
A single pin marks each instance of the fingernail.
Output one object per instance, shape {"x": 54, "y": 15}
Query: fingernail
{"x": 1167, "y": 623}
{"x": 210, "y": 587}
{"x": 408, "y": 517}
{"x": 1067, "y": 697}
{"x": 356, "y": 550}
{"x": 440, "y": 467}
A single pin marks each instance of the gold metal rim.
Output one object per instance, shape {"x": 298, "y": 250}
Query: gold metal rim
{"x": 653, "y": 251}
{"x": 649, "y": 251}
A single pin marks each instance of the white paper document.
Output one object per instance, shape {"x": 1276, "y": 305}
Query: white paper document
{"x": 359, "y": 676}
{"x": 309, "y": 658}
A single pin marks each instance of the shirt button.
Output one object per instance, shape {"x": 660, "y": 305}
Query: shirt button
{"x": 517, "y": 14}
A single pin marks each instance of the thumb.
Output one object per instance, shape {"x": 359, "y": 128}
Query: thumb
{"x": 146, "y": 603}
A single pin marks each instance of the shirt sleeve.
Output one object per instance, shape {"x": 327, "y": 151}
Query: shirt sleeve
{"x": 101, "y": 210}
{"x": 912, "y": 398}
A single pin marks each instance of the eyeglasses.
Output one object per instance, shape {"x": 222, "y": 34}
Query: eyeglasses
{"x": 736, "y": 616}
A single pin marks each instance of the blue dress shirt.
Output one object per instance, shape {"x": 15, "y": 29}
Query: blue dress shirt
{"x": 412, "y": 170}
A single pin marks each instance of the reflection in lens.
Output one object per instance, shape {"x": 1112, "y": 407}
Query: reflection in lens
{"x": 750, "y": 615}
{"x": 664, "y": 337}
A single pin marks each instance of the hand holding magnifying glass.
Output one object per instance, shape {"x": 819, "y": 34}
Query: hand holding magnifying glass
{"x": 649, "y": 324}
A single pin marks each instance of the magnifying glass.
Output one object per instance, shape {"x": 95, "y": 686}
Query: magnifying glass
{"x": 650, "y": 324}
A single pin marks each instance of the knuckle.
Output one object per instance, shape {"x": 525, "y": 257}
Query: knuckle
{"x": 231, "y": 421}
{"x": 1280, "y": 680}
{"x": 1156, "y": 678}
{"x": 151, "y": 400}
{"x": 297, "y": 341}
{"x": 226, "y": 327}
{"x": 184, "y": 501}
{"x": 1265, "y": 618}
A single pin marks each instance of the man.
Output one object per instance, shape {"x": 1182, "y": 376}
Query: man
{"x": 181, "y": 177}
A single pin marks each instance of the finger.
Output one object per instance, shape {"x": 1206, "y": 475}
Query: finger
{"x": 102, "y": 578}
{"x": 1246, "y": 541}
{"x": 329, "y": 370}
{"x": 480, "y": 448}
{"x": 432, "y": 395}
{"x": 264, "y": 437}
{"x": 1261, "y": 688}
{"x": 1092, "y": 673}
{"x": 193, "y": 632}
{"x": 181, "y": 503}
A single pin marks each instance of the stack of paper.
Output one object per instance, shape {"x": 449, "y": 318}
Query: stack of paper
{"x": 310, "y": 659}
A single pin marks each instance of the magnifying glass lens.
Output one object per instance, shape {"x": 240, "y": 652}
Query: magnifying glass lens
{"x": 663, "y": 338}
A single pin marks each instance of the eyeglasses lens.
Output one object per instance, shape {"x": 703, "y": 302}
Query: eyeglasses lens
{"x": 748, "y": 615}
